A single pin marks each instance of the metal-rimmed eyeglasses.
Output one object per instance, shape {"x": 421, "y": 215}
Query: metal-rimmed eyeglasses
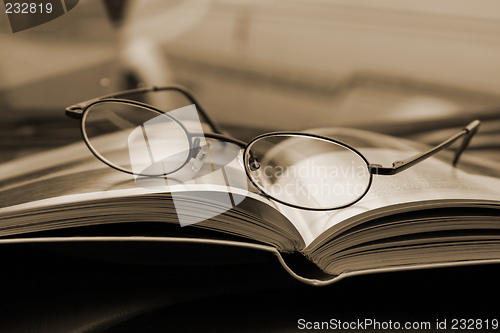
{"x": 300, "y": 170}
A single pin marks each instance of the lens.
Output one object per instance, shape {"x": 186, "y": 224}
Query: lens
{"x": 306, "y": 171}
{"x": 136, "y": 139}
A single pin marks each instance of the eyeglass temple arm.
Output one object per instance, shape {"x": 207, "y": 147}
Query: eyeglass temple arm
{"x": 469, "y": 131}
{"x": 75, "y": 111}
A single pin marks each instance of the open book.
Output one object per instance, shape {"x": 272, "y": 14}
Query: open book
{"x": 428, "y": 216}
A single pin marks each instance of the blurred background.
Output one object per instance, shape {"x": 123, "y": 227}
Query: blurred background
{"x": 418, "y": 70}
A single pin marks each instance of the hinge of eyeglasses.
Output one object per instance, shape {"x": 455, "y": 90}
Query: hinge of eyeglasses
{"x": 397, "y": 164}
{"x": 74, "y": 112}
{"x": 378, "y": 169}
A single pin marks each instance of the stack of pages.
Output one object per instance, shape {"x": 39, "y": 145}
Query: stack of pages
{"x": 431, "y": 215}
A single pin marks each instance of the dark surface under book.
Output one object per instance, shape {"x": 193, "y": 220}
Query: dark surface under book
{"x": 48, "y": 290}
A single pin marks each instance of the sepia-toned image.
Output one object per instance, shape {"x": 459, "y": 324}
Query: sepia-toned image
{"x": 249, "y": 165}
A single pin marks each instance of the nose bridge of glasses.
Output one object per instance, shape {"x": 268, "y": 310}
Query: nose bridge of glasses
{"x": 195, "y": 148}
{"x": 253, "y": 161}
{"x": 200, "y": 158}
{"x": 199, "y": 153}
{"x": 221, "y": 137}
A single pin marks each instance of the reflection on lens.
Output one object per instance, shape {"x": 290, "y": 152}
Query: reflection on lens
{"x": 134, "y": 138}
{"x": 306, "y": 171}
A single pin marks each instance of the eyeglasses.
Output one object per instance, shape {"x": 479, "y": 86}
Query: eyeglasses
{"x": 300, "y": 170}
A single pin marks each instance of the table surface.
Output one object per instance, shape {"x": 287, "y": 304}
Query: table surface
{"x": 47, "y": 291}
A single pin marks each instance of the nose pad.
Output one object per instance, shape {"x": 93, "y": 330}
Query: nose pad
{"x": 253, "y": 162}
{"x": 200, "y": 158}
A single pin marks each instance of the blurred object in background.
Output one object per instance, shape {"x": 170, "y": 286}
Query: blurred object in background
{"x": 116, "y": 10}
{"x": 46, "y": 68}
{"x": 398, "y": 67}
{"x": 296, "y": 63}
{"x": 395, "y": 67}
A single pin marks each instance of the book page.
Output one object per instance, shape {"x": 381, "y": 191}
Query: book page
{"x": 73, "y": 169}
{"x": 73, "y": 173}
{"x": 430, "y": 180}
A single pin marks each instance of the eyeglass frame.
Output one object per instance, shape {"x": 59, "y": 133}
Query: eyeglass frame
{"x": 78, "y": 111}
